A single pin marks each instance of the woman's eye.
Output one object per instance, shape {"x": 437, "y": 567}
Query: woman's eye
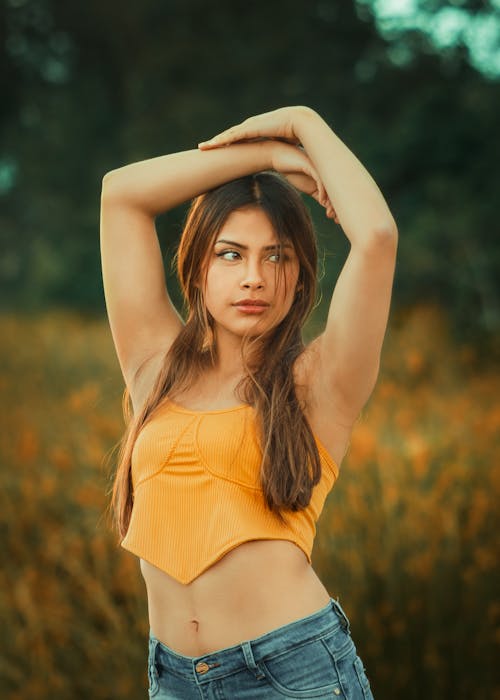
{"x": 279, "y": 257}
{"x": 228, "y": 255}
{"x": 232, "y": 255}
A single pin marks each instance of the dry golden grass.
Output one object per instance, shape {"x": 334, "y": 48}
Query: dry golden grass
{"x": 408, "y": 538}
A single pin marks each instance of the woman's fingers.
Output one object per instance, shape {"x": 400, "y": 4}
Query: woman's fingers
{"x": 245, "y": 131}
{"x": 278, "y": 124}
{"x": 294, "y": 163}
{"x": 331, "y": 213}
{"x": 306, "y": 183}
{"x": 224, "y": 138}
{"x": 320, "y": 188}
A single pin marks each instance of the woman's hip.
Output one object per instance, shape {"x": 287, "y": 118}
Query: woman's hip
{"x": 313, "y": 657}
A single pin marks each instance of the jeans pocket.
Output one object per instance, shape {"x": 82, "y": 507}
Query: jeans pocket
{"x": 352, "y": 677}
{"x": 304, "y": 671}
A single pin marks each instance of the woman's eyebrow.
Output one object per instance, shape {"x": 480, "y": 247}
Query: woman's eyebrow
{"x": 245, "y": 247}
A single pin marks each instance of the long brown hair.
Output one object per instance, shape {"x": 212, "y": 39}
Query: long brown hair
{"x": 290, "y": 461}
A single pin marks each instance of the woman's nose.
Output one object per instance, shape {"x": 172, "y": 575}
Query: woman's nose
{"x": 252, "y": 278}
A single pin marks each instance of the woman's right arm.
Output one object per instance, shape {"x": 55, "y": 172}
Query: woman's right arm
{"x": 159, "y": 184}
{"x": 143, "y": 320}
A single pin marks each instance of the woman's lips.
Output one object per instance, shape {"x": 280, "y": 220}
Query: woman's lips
{"x": 251, "y": 309}
{"x": 248, "y": 306}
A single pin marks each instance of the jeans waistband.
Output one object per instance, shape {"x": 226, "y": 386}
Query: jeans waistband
{"x": 226, "y": 661}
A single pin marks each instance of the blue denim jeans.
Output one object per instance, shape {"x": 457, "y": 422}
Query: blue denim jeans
{"x": 314, "y": 657}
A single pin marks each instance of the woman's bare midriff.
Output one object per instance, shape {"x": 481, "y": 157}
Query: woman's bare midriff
{"x": 256, "y": 587}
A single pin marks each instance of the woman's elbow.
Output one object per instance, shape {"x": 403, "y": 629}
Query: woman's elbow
{"x": 384, "y": 237}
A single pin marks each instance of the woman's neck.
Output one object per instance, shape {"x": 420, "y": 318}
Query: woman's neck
{"x": 230, "y": 363}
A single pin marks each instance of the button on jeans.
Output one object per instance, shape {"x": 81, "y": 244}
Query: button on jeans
{"x": 314, "y": 657}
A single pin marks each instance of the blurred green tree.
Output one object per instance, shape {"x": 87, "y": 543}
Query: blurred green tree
{"x": 90, "y": 86}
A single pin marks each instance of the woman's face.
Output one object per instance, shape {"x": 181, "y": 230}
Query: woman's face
{"x": 245, "y": 292}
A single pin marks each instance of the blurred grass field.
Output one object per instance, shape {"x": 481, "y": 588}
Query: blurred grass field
{"x": 408, "y": 539}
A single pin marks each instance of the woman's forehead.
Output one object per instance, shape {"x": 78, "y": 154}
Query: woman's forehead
{"x": 249, "y": 222}
{"x": 251, "y": 228}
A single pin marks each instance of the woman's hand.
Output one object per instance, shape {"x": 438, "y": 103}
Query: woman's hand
{"x": 278, "y": 124}
{"x": 306, "y": 184}
{"x": 287, "y": 157}
{"x": 293, "y": 163}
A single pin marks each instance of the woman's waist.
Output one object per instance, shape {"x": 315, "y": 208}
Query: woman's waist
{"x": 256, "y": 587}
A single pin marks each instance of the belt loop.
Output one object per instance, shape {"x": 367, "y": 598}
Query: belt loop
{"x": 250, "y": 660}
{"x": 153, "y": 669}
{"x": 153, "y": 643}
{"x": 344, "y": 620}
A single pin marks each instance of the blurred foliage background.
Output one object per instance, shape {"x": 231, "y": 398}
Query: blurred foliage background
{"x": 409, "y": 536}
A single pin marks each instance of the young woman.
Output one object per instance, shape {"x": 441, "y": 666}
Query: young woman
{"x": 238, "y": 429}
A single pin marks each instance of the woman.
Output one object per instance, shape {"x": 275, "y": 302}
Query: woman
{"x": 239, "y": 429}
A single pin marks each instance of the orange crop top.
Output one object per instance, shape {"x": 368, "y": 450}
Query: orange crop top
{"x": 197, "y": 492}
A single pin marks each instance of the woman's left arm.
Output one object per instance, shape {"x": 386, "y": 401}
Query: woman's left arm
{"x": 350, "y": 347}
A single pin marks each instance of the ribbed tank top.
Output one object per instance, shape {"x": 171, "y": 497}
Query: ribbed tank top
{"x": 197, "y": 493}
